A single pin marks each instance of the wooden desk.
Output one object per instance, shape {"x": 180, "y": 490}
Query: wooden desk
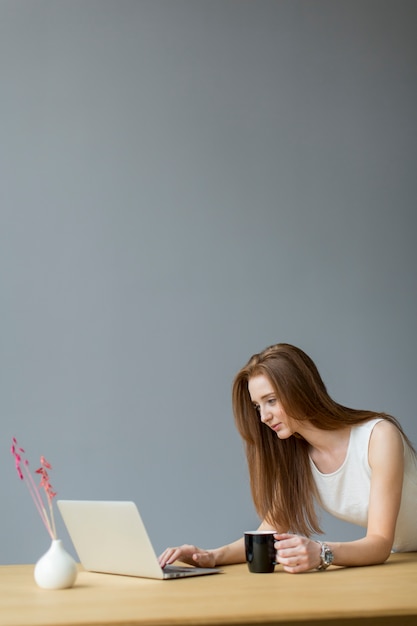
{"x": 381, "y": 595}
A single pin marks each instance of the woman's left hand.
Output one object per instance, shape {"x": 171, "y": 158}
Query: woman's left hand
{"x": 297, "y": 554}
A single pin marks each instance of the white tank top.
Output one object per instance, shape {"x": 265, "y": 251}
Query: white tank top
{"x": 345, "y": 492}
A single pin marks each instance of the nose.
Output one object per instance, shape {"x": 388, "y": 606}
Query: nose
{"x": 265, "y": 415}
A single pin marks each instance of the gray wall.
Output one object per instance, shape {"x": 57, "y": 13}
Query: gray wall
{"x": 184, "y": 182}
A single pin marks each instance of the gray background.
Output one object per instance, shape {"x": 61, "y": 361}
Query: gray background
{"x": 183, "y": 183}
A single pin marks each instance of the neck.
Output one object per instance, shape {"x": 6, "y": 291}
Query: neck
{"x": 324, "y": 441}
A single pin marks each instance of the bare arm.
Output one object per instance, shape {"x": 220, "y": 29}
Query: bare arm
{"x": 386, "y": 459}
{"x": 235, "y": 552}
{"x": 192, "y": 555}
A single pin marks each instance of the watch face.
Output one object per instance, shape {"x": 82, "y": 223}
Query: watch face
{"x": 328, "y": 556}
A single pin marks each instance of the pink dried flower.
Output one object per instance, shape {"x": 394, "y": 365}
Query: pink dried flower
{"x": 22, "y": 468}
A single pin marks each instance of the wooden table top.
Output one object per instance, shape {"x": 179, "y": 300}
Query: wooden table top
{"x": 380, "y": 595}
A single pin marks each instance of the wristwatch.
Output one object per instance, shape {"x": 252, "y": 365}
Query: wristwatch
{"x": 326, "y": 556}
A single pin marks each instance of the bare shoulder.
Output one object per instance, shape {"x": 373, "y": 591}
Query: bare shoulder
{"x": 386, "y": 442}
{"x": 385, "y": 429}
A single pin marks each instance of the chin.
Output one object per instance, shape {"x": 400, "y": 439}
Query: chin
{"x": 284, "y": 434}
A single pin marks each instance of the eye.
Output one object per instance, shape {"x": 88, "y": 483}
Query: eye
{"x": 272, "y": 401}
{"x": 257, "y": 408}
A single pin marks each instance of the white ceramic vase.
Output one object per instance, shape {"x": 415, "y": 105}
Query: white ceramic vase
{"x": 56, "y": 569}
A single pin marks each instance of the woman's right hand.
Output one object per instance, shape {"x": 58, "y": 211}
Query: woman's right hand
{"x": 188, "y": 554}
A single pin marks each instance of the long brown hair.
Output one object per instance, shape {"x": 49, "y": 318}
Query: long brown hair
{"x": 282, "y": 484}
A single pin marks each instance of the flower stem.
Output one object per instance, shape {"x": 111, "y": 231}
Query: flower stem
{"x": 38, "y": 503}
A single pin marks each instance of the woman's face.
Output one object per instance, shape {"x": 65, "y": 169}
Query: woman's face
{"x": 269, "y": 408}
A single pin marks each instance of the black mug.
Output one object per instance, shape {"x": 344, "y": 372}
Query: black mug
{"x": 260, "y": 551}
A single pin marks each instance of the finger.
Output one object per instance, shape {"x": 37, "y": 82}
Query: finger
{"x": 204, "y": 559}
{"x": 282, "y": 536}
{"x": 288, "y": 541}
{"x": 176, "y": 555}
{"x": 287, "y": 557}
{"x": 198, "y": 559}
{"x": 285, "y": 549}
{"x": 293, "y": 569}
{"x": 172, "y": 555}
{"x": 164, "y": 555}
{"x": 163, "y": 558}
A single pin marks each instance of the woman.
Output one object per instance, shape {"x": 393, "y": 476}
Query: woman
{"x": 305, "y": 449}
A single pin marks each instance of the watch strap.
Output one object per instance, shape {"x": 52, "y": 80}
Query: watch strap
{"x": 326, "y": 556}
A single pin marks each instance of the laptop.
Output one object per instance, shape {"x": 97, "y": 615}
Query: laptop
{"x": 110, "y": 537}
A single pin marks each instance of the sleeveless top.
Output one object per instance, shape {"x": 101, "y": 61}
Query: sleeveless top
{"x": 345, "y": 492}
